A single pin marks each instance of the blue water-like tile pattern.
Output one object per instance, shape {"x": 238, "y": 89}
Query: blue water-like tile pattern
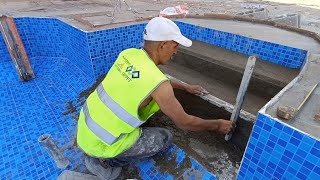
{"x": 41, "y": 36}
{"x": 67, "y": 60}
{"x": 276, "y": 151}
{"x": 30, "y": 109}
{"x": 61, "y": 60}
{"x": 5, "y": 56}
{"x": 279, "y": 54}
{"x": 8, "y": 72}
{"x": 105, "y": 45}
{"x": 76, "y": 48}
{"x": 174, "y": 155}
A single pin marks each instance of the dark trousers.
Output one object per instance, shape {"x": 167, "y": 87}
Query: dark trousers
{"x": 152, "y": 141}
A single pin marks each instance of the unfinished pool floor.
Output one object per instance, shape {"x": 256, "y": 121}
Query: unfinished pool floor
{"x": 50, "y": 102}
{"x": 220, "y": 72}
{"x": 30, "y": 109}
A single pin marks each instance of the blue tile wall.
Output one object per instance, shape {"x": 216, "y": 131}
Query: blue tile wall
{"x": 4, "y": 53}
{"x": 8, "y": 72}
{"x": 41, "y": 36}
{"x": 279, "y": 54}
{"x": 51, "y": 43}
{"x": 276, "y": 151}
{"x": 105, "y": 45}
{"x": 76, "y": 48}
{"x": 66, "y": 61}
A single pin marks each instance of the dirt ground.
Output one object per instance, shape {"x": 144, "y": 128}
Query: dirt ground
{"x": 100, "y": 11}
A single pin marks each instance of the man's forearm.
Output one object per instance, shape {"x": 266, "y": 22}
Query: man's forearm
{"x": 178, "y": 85}
{"x": 193, "y": 123}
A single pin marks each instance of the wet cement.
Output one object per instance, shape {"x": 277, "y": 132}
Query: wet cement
{"x": 208, "y": 148}
{"x": 220, "y": 72}
{"x": 293, "y": 96}
{"x": 72, "y": 107}
{"x": 220, "y": 157}
{"x": 167, "y": 164}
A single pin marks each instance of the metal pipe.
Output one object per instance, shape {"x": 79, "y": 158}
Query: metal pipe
{"x": 48, "y": 143}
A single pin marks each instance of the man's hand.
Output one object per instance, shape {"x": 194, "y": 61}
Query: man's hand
{"x": 193, "y": 89}
{"x": 225, "y": 126}
{"x": 196, "y": 89}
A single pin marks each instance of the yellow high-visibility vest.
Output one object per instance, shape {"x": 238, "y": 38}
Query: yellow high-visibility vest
{"x": 109, "y": 120}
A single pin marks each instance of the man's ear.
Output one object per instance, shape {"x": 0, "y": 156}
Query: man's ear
{"x": 162, "y": 44}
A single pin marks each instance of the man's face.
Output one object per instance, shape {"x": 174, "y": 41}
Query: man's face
{"x": 167, "y": 51}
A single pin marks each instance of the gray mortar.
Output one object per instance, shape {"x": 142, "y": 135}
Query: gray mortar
{"x": 210, "y": 149}
{"x": 72, "y": 175}
{"x": 259, "y": 31}
{"x": 220, "y": 72}
{"x": 220, "y": 103}
{"x": 294, "y": 94}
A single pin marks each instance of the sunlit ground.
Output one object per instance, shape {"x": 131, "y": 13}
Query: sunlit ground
{"x": 305, "y": 3}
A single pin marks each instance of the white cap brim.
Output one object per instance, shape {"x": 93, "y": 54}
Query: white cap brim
{"x": 183, "y": 41}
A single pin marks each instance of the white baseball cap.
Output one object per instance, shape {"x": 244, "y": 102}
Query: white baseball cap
{"x": 163, "y": 29}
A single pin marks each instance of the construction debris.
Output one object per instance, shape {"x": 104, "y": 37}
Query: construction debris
{"x": 253, "y": 6}
{"x": 261, "y": 13}
{"x": 288, "y": 19}
{"x": 176, "y": 10}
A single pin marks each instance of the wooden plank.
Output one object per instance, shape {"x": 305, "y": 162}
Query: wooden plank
{"x": 242, "y": 92}
{"x": 15, "y": 47}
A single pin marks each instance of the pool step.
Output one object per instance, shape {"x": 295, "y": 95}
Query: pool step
{"x": 220, "y": 72}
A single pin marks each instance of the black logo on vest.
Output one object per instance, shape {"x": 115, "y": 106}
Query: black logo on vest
{"x": 133, "y": 72}
{"x": 127, "y": 70}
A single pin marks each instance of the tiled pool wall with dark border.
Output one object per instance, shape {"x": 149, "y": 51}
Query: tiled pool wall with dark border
{"x": 47, "y": 37}
{"x": 279, "y": 54}
{"x": 93, "y": 53}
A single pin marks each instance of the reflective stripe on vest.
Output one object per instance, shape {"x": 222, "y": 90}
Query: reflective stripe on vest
{"x": 97, "y": 129}
{"x": 116, "y": 108}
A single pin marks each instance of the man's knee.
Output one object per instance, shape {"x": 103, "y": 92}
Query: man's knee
{"x": 168, "y": 137}
{"x": 163, "y": 138}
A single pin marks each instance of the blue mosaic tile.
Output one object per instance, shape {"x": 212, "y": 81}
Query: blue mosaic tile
{"x": 5, "y": 56}
{"x": 282, "y": 155}
{"x": 47, "y": 66}
{"x": 76, "y": 48}
{"x": 7, "y": 104}
{"x": 279, "y": 54}
{"x": 148, "y": 169}
{"x": 41, "y": 36}
{"x": 8, "y": 73}
{"x": 66, "y": 61}
{"x": 105, "y": 45}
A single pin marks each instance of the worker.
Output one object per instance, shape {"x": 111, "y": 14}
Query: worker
{"x": 132, "y": 91}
